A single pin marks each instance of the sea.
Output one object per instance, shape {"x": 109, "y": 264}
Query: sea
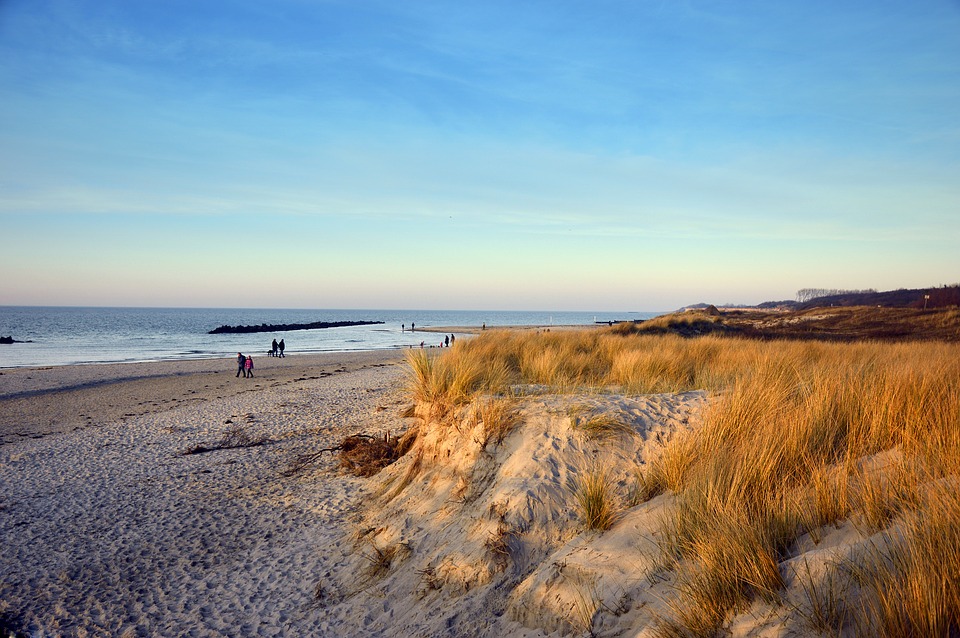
{"x": 57, "y": 335}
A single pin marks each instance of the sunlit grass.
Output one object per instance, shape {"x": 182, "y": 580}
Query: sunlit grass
{"x": 796, "y": 436}
{"x": 596, "y": 498}
{"x": 498, "y": 418}
{"x": 799, "y": 432}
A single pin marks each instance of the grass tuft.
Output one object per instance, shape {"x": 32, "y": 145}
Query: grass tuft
{"x": 498, "y": 416}
{"x": 600, "y": 426}
{"x": 596, "y": 498}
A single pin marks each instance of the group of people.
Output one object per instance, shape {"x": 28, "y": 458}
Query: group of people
{"x": 245, "y": 362}
{"x": 244, "y": 366}
{"x": 448, "y": 341}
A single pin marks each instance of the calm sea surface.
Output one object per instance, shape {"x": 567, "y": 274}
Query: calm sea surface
{"x": 64, "y": 336}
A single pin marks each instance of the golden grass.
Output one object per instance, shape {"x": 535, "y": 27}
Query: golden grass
{"x": 381, "y": 559}
{"x": 912, "y": 581}
{"x": 571, "y": 361}
{"x": 798, "y": 429}
{"x": 811, "y": 433}
{"x": 447, "y": 382}
{"x": 596, "y": 498}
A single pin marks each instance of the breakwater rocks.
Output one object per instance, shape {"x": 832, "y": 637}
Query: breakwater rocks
{"x": 11, "y": 340}
{"x": 285, "y": 327}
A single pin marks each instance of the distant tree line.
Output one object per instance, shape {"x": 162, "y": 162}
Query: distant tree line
{"x": 806, "y": 294}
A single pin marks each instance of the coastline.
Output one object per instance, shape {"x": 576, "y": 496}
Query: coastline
{"x": 76, "y": 335}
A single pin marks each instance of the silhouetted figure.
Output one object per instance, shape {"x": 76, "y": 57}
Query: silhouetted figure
{"x": 403, "y": 327}
{"x": 241, "y": 362}
{"x": 248, "y": 368}
{"x": 273, "y": 348}
{"x": 446, "y": 341}
{"x": 281, "y": 346}
{"x": 413, "y": 327}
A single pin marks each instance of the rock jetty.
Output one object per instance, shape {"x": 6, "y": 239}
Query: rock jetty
{"x": 285, "y": 327}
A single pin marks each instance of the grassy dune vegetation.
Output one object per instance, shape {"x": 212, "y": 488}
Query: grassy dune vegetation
{"x": 798, "y": 436}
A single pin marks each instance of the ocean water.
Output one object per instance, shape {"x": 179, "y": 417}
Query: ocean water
{"x": 72, "y": 335}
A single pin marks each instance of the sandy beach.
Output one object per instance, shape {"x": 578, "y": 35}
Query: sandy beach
{"x": 110, "y": 528}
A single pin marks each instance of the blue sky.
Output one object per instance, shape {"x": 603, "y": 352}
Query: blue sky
{"x": 606, "y": 155}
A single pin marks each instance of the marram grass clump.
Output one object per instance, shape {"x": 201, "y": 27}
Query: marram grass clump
{"x": 596, "y": 498}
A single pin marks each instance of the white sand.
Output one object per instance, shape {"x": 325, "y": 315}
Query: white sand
{"x": 112, "y": 530}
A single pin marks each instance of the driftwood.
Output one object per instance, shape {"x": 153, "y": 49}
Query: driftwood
{"x": 301, "y": 462}
{"x": 234, "y": 438}
{"x": 361, "y": 454}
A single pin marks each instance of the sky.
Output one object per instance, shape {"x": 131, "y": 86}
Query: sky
{"x": 559, "y": 155}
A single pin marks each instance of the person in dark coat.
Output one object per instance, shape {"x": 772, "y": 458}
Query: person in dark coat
{"x": 281, "y": 346}
{"x": 273, "y": 348}
{"x": 241, "y": 362}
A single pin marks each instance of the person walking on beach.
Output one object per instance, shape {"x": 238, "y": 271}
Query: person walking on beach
{"x": 446, "y": 341}
{"x": 241, "y": 362}
{"x": 273, "y": 348}
{"x": 248, "y": 368}
{"x": 281, "y": 346}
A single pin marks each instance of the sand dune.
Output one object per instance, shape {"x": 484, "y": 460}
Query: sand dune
{"x": 486, "y": 540}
